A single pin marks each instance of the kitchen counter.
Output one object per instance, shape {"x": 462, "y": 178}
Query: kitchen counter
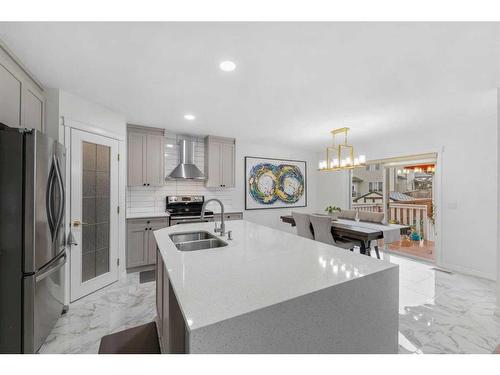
{"x": 272, "y": 291}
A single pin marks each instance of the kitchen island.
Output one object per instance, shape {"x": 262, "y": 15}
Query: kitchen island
{"x": 270, "y": 291}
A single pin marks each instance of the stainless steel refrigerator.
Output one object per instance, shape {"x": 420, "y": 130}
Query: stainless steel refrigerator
{"x": 32, "y": 239}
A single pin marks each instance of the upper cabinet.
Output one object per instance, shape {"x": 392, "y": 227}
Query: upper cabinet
{"x": 32, "y": 109}
{"x": 10, "y": 95}
{"x": 145, "y": 156}
{"x": 219, "y": 161}
{"x": 22, "y": 101}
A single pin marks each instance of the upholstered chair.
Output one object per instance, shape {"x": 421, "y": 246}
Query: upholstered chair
{"x": 347, "y": 214}
{"x": 303, "y": 224}
{"x": 322, "y": 226}
{"x": 372, "y": 217}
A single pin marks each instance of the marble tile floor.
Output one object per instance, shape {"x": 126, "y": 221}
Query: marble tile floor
{"x": 119, "y": 306}
{"x": 438, "y": 312}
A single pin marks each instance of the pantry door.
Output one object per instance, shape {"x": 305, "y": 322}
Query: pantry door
{"x": 94, "y": 212}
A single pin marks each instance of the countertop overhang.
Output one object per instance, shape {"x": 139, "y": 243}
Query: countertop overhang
{"x": 260, "y": 267}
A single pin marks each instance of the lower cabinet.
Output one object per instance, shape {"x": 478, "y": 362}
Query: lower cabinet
{"x": 141, "y": 244}
{"x": 171, "y": 325}
{"x": 229, "y": 216}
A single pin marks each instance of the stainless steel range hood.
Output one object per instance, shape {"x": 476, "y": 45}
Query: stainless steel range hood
{"x": 186, "y": 169}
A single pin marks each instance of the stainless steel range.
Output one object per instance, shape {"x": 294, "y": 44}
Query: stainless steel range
{"x": 186, "y": 209}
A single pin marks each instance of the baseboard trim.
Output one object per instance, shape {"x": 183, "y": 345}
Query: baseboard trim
{"x": 465, "y": 271}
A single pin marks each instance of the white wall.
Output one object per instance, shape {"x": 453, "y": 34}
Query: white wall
{"x": 464, "y": 130}
{"x": 75, "y": 108}
{"x": 333, "y": 189}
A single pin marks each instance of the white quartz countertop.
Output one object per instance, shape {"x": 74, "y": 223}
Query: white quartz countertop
{"x": 260, "y": 267}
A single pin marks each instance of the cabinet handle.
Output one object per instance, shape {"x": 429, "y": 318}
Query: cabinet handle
{"x": 143, "y": 184}
{"x": 148, "y": 184}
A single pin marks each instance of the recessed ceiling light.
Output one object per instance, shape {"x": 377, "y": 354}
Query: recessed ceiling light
{"x": 189, "y": 117}
{"x": 227, "y": 66}
{"x": 169, "y": 145}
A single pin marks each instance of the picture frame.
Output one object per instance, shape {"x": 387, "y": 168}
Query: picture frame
{"x": 275, "y": 183}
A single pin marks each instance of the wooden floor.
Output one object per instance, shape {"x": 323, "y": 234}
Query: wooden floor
{"x": 421, "y": 249}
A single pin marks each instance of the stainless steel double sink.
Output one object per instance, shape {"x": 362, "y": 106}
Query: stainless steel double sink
{"x": 199, "y": 240}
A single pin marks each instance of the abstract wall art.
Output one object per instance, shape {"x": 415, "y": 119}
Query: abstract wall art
{"x": 274, "y": 183}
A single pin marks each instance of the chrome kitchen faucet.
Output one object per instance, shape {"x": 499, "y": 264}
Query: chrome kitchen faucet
{"x": 222, "y": 229}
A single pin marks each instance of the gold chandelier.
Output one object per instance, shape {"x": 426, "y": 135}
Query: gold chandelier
{"x": 341, "y": 157}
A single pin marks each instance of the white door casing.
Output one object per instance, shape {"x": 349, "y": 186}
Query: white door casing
{"x": 109, "y": 256}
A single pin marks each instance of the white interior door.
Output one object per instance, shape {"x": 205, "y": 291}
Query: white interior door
{"x": 94, "y": 215}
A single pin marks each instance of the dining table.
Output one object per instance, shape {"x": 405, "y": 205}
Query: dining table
{"x": 362, "y": 231}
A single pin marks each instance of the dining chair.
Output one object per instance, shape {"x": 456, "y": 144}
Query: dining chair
{"x": 303, "y": 223}
{"x": 322, "y": 226}
{"x": 347, "y": 214}
{"x": 372, "y": 217}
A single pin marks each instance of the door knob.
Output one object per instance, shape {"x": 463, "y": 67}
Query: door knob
{"x": 77, "y": 223}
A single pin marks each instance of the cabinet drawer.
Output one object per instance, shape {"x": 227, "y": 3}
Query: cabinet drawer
{"x": 230, "y": 216}
{"x": 160, "y": 222}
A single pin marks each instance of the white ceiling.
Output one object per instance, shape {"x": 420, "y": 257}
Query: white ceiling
{"x": 293, "y": 83}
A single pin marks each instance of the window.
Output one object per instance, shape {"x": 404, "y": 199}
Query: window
{"x": 375, "y": 186}
{"x": 373, "y": 167}
{"x": 353, "y": 190}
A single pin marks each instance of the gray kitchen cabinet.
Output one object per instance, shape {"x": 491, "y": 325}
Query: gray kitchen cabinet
{"x": 227, "y": 159}
{"x": 145, "y": 156}
{"x": 32, "y": 110}
{"x": 159, "y": 291}
{"x": 10, "y": 95}
{"x": 136, "y": 159}
{"x": 171, "y": 324}
{"x": 154, "y": 225}
{"x": 155, "y": 173}
{"x": 137, "y": 243}
{"x": 141, "y": 244}
{"x": 165, "y": 313}
{"x": 219, "y": 161}
{"x": 22, "y": 100}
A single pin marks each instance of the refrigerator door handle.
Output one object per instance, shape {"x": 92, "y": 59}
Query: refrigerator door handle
{"x": 48, "y": 200}
{"x": 60, "y": 182}
{"x": 52, "y": 267}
